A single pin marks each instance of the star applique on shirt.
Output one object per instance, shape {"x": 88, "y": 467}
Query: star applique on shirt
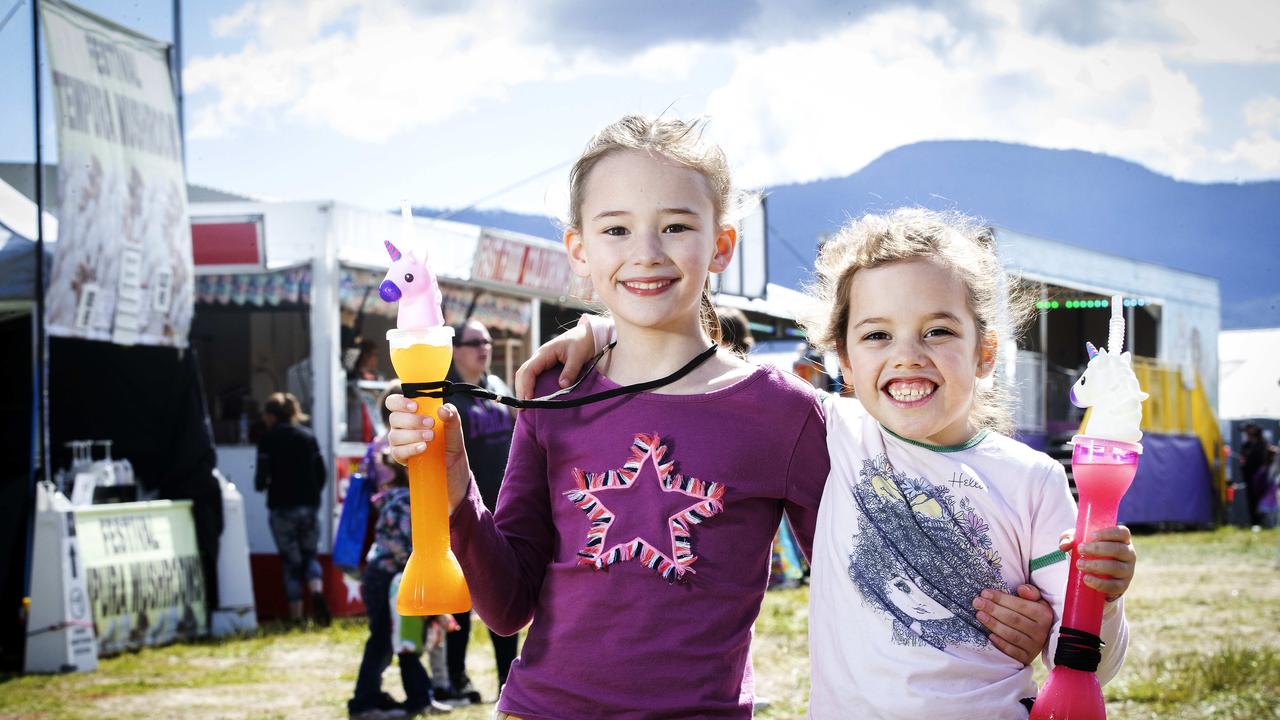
{"x": 665, "y": 547}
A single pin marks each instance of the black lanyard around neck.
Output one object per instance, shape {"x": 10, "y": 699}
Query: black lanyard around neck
{"x": 445, "y": 388}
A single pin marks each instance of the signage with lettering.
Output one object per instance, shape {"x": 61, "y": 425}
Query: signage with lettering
{"x": 528, "y": 264}
{"x": 143, "y": 573}
{"x": 122, "y": 266}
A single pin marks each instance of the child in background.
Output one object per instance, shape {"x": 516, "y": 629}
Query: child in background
{"x": 391, "y": 548}
{"x": 928, "y": 503}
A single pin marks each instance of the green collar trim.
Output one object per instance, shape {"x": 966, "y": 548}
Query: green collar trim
{"x": 977, "y": 438}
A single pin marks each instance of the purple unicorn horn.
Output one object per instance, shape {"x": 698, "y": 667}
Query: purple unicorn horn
{"x": 391, "y": 250}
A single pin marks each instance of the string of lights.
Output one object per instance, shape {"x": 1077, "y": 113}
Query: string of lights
{"x": 1088, "y": 303}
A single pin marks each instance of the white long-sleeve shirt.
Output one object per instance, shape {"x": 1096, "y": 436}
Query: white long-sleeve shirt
{"x": 907, "y": 536}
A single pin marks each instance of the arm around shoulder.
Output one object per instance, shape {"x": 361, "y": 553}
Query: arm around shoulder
{"x": 807, "y": 472}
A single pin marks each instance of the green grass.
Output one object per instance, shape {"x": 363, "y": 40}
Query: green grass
{"x": 1231, "y": 682}
{"x": 1204, "y": 614}
{"x": 237, "y": 677}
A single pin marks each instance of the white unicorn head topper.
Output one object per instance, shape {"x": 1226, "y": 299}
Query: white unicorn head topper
{"x": 1109, "y": 386}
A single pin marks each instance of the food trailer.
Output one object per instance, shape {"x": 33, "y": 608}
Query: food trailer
{"x": 1172, "y": 319}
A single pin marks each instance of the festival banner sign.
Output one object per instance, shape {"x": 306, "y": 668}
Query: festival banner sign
{"x": 143, "y": 572}
{"x": 122, "y": 269}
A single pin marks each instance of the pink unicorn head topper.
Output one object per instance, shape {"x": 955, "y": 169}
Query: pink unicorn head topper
{"x": 411, "y": 283}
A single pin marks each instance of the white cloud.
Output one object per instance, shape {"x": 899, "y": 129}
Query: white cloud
{"x": 1263, "y": 113}
{"x": 365, "y": 71}
{"x": 1236, "y": 31}
{"x": 235, "y": 21}
{"x": 1261, "y": 149}
{"x": 823, "y": 105}
{"x": 828, "y": 107}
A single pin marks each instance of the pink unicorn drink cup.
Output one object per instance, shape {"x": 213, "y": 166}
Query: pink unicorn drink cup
{"x": 421, "y": 350}
{"x": 1103, "y": 463}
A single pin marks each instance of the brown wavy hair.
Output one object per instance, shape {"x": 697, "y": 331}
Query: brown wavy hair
{"x": 1001, "y": 305}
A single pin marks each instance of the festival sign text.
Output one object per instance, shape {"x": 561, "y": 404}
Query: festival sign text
{"x": 122, "y": 267}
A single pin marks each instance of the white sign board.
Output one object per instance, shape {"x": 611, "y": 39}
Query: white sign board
{"x": 122, "y": 268}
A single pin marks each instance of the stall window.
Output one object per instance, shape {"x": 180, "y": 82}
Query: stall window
{"x": 246, "y": 353}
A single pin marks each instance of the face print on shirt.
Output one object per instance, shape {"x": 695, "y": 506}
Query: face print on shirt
{"x": 920, "y": 557}
{"x": 907, "y": 596}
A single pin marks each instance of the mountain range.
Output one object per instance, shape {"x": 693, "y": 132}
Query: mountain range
{"x": 1228, "y": 231}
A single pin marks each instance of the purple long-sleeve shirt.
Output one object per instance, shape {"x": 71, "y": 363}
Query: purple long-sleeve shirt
{"x": 635, "y": 534}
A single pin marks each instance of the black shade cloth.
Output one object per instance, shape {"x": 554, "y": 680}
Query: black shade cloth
{"x": 148, "y": 401}
{"x": 16, "y": 386}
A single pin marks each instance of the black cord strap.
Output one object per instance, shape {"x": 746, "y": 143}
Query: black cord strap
{"x": 1078, "y": 650}
{"x": 445, "y": 388}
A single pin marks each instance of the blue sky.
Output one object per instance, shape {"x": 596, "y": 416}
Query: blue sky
{"x": 446, "y": 102}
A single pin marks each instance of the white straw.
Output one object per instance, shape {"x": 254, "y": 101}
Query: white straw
{"x": 406, "y": 226}
{"x": 1115, "y": 335}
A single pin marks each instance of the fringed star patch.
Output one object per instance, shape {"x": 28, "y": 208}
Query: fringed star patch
{"x": 671, "y": 563}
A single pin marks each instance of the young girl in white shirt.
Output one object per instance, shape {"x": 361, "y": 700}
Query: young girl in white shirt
{"x": 929, "y": 503}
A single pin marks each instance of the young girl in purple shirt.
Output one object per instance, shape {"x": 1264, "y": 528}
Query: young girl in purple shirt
{"x": 633, "y": 535}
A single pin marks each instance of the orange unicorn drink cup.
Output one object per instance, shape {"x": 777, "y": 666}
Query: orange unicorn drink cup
{"x": 421, "y": 350}
{"x": 433, "y": 582}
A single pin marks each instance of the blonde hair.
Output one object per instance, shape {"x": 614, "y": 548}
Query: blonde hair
{"x": 674, "y": 139}
{"x": 1001, "y": 307}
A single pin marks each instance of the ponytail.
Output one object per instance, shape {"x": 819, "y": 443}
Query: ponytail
{"x": 707, "y": 314}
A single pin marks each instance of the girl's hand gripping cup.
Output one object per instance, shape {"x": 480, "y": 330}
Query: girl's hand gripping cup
{"x": 1104, "y": 461}
{"x": 1103, "y": 471}
{"x": 421, "y": 350}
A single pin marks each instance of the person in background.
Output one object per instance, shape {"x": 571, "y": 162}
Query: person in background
{"x": 292, "y": 473}
{"x": 366, "y": 363}
{"x": 1253, "y": 469}
{"x": 391, "y": 548}
{"x": 735, "y": 331}
{"x": 361, "y": 364}
{"x": 487, "y": 426}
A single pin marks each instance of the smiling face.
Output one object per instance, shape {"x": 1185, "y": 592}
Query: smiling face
{"x": 912, "y": 351}
{"x": 648, "y": 237}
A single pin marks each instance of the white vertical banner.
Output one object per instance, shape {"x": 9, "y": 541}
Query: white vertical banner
{"x": 122, "y": 267}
